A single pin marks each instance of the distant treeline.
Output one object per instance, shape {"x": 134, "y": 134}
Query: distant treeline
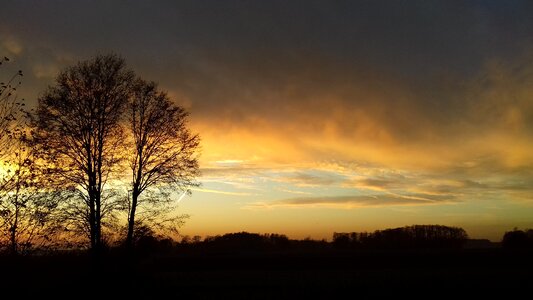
{"x": 409, "y": 237}
{"x": 416, "y": 236}
{"x": 243, "y": 241}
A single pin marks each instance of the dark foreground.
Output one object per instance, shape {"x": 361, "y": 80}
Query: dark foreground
{"x": 332, "y": 274}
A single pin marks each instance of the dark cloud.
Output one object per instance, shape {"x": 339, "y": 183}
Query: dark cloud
{"x": 413, "y": 73}
{"x": 270, "y": 43}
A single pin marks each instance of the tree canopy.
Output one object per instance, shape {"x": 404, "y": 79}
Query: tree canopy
{"x": 97, "y": 119}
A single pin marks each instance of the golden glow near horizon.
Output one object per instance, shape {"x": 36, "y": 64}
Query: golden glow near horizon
{"x": 307, "y": 127}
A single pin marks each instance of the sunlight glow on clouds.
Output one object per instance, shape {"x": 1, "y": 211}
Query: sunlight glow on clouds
{"x": 309, "y": 161}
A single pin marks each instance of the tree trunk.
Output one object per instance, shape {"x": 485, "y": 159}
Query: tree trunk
{"x": 92, "y": 200}
{"x": 14, "y": 248}
{"x": 92, "y": 220}
{"x": 98, "y": 226}
{"x": 131, "y": 219}
{"x": 14, "y": 244}
{"x": 137, "y": 176}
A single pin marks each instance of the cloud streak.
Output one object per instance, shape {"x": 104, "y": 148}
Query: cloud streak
{"x": 212, "y": 191}
{"x": 350, "y": 201}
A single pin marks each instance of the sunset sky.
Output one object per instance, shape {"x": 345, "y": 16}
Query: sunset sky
{"x": 321, "y": 116}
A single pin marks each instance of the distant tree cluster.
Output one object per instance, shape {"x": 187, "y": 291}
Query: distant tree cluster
{"x": 240, "y": 241}
{"x": 517, "y": 239}
{"x": 416, "y": 236}
{"x": 104, "y": 148}
{"x": 249, "y": 240}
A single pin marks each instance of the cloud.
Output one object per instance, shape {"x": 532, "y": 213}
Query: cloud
{"x": 293, "y": 191}
{"x": 45, "y": 71}
{"x": 222, "y": 192}
{"x": 10, "y": 46}
{"x": 429, "y": 101}
{"x": 297, "y": 82}
{"x": 307, "y": 178}
{"x": 351, "y": 201}
{"x": 386, "y": 180}
{"x": 392, "y": 123}
{"x": 480, "y": 179}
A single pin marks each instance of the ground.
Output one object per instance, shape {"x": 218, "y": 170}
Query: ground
{"x": 275, "y": 275}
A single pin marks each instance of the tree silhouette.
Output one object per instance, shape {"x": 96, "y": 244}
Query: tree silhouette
{"x": 27, "y": 207}
{"x": 77, "y": 127}
{"x": 164, "y": 153}
{"x": 9, "y": 110}
{"x": 28, "y": 210}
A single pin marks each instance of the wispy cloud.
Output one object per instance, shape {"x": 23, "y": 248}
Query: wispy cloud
{"x": 221, "y": 192}
{"x": 225, "y": 171}
{"x": 229, "y": 162}
{"x": 308, "y": 178}
{"x": 379, "y": 183}
{"x": 9, "y": 45}
{"x": 293, "y": 191}
{"x": 352, "y": 201}
{"x": 48, "y": 70}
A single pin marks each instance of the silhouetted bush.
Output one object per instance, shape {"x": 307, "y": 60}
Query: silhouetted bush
{"x": 416, "y": 236}
{"x": 147, "y": 241}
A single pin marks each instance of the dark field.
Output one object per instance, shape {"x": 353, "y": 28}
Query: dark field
{"x": 423, "y": 274}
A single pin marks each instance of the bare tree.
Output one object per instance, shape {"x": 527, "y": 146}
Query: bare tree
{"x": 28, "y": 215}
{"x": 164, "y": 153}
{"x": 9, "y": 110}
{"x": 77, "y": 126}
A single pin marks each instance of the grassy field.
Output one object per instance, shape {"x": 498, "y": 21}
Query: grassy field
{"x": 427, "y": 274}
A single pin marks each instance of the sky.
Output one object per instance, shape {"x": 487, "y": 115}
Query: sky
{"x": 321, "y": 116}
